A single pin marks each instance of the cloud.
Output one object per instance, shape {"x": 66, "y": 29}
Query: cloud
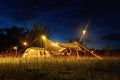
{"x": 22, "y": 16}
{"x": 112, "y": 37}
{"x": 23, "y": 10}
{"x": 18, "y": 11}
{"x": 94, "y": 8}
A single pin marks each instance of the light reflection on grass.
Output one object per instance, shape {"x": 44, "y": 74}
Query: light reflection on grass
{"x": 59, "y": 69}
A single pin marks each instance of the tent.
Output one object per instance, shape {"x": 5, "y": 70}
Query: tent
{"x": 58, "y": 47}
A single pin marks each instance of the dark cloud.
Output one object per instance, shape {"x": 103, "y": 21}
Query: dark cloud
{"x": 23, "y": 10}
{"x": 112, "y": 37}
{"x": 97, "y": 8}
{"x": 18, "y": 10}
{"x": 24, "y": 16}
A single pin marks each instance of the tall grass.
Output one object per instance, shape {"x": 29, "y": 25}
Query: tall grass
{"x": 59, "y": 69}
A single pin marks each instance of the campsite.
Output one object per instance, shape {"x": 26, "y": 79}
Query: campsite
{"x": 59, "y": 40}
{"x": 59, "y": 61}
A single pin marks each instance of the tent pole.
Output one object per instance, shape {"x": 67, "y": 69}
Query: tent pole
{"x": 77, "y": 54}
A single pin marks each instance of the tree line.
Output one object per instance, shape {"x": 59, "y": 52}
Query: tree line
{"x": 15, "y": 36}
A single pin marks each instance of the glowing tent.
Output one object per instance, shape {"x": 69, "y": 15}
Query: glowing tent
{"x": 58, "y": 47}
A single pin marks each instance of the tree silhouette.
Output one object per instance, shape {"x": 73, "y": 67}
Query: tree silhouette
{"x": 10, "y": 37}
{"x": 35, "y": 33}
{"x": 14, "y": 36}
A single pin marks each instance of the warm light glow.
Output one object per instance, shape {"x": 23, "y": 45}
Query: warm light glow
{"x": 55, "y": 44}
{"x": 84, "y": 31}
{"x": 25, "y": 43}
{"x": 43, "y": 37}
{"x": 75, "y": 42}
{"x": 15, "y": 47}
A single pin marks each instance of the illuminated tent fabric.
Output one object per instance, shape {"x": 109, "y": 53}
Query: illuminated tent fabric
{"x": 52, "y": 45}
{"x": 57, "y": 46}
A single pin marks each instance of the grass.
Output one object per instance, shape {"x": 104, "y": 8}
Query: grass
{"x": 59, "y": 69}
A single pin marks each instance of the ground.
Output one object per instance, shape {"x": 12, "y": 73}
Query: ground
{"x": 59, "y": 69}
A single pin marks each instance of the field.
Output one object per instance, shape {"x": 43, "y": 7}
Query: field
{"x": 59, "y": 69}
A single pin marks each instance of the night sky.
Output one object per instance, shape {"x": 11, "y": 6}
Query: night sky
{"x": 67, "y": 18}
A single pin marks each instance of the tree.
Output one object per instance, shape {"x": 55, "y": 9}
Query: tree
{"x": 10, "y": 37}
{"x": 34, "y": 34}
{"x": 14, "y": 36}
